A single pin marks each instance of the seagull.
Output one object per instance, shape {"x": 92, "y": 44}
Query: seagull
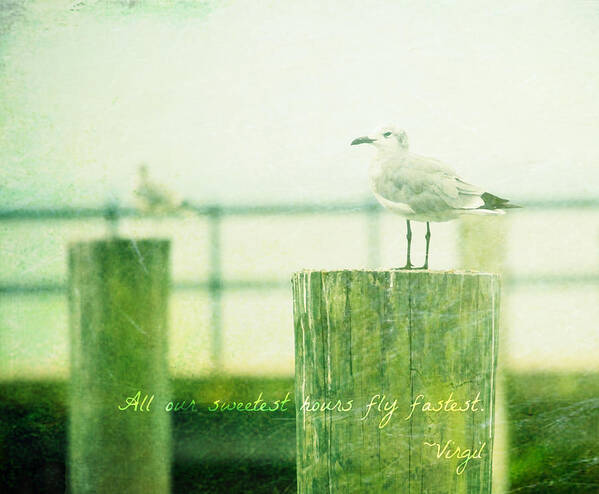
{"x": 155, "y": 198}
{"x": 421, "y": 188}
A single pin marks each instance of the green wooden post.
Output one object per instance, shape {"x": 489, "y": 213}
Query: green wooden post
{"x": 118, "y": 294}
{"x": 377, "y": 352}
{"x": 482, "y": 245}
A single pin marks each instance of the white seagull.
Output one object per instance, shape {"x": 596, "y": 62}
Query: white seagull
{"x": 420, "y": 188}
{"x": 154, "y": 198}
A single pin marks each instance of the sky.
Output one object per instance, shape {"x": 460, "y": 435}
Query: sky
{"x": 257, "y": 102}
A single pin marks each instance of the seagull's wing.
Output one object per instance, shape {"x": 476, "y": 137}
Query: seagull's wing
{"x": 155, "y": 197}
{"x": 427, "y": 185}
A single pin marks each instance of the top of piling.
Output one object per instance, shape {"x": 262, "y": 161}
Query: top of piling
{"x": 117, "y": 245}
{"x": 456, "y": 272}
{"x": 119, "y": 240}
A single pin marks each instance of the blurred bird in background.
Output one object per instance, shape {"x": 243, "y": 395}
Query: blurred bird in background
{"x": 154, "y": 198}
{"x": 420, "y": 188}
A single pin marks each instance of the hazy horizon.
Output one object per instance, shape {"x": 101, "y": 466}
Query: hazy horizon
{"x": 258, "y": 103}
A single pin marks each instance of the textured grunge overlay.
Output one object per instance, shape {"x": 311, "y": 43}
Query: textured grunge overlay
{"x": 200, "y": 283}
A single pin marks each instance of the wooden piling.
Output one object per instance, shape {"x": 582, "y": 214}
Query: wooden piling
{"x": 482, "y": 245}
{"x": 119, "y": 432}
{"x": 421, "y": 345}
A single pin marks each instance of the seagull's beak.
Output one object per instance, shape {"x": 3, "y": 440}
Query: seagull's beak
{"x": 362, "y": 140}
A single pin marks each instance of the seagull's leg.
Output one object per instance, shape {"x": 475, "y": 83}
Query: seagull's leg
{"x": 428, "y": 242}
{"x": 409, "y": 237}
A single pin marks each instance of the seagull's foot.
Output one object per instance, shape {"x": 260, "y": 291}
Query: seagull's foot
{"x": 407, "y": 267}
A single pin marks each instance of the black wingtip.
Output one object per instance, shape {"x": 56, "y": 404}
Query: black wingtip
{"x": 494, "y": 202}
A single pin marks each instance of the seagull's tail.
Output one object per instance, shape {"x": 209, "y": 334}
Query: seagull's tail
{"x": 493, "y": 202}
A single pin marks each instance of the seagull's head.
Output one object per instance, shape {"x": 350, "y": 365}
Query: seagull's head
{"x": 388, "y": 138}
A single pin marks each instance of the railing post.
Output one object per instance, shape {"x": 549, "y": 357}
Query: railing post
{"x": 119, "y": 434}
{"x": 395, "y": 380}
{"x": 111, "y": 215}
{"x": 215, "y": 287}
{"x": 373, "y": 217}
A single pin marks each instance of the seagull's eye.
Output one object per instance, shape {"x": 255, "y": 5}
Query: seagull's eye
{"x": 386, "y": 134}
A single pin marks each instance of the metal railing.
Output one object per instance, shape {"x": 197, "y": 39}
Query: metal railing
{"x": 216, "y": 284}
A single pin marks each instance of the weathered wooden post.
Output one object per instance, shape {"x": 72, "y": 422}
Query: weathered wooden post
{"x": 395, "y": 377}
{"x": 119, "y": 438}
{"x": 482, "y": 245}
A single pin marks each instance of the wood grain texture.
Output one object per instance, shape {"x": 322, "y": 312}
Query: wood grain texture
{"x": 482, "y": 245}
{"x": 118, "y": 295}
{"x": 400, "y": 334}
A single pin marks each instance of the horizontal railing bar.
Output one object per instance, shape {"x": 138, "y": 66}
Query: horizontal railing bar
{"x": 204, "y": 210}
{"x": 586, "y": 203}
{"x": 25, "y": 289}
{"x": 22, "y": 289}
{"x": 62, "y": 214}
{"x": 254, "y": 210}
{"x": 552, "y": 279}
{"x": 281, "y": 284}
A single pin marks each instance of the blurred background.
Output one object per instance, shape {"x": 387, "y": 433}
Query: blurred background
{"x": 247, "y": 110}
